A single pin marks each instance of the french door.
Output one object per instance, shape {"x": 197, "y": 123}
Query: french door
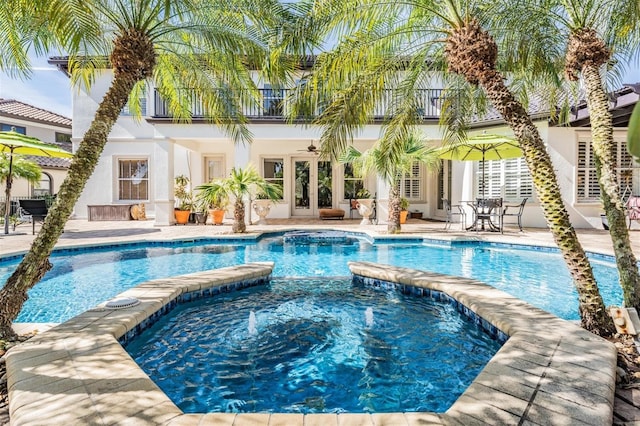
{"x": 312, "y": 186}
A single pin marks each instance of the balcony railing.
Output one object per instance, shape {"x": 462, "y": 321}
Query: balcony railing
{"x": 274, "y": 104}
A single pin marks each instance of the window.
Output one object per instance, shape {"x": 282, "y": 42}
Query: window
{"x": 8, "y": 127}
{"x": 133, "y": 179}
{"x": 273, "y": 172}
{"x": 352, "y": 184}
{"x": 43, "y": 187}
{"x": 63, "y": 137}
{"x": 627, "y": 171}
{"x": 213, "y": 168}
{"x": 142, "y": 97}
{"x": 411, "y": 183}
{"x": 508, "y": 179}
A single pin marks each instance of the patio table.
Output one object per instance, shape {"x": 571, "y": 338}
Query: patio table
{"x": 485, "y": 210}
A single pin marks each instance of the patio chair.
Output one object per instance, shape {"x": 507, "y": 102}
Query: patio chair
{"x": 37, "y": 209}
{"x": 454, "y": 210}
{"x": 633, "y": 208}
{"x": 487, "y": 211}
{"x": 514, "y": 213}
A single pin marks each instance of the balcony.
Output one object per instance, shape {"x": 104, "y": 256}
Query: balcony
{"x": 274, "y": 104}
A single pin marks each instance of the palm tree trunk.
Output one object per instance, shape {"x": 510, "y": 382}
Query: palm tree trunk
{"x": 591, "y": 306}
{"x": 238, "y": 217}
{"x": 602, "y": 144}
{"x": 36, "y": 262}
{"x": 393, "y": 227}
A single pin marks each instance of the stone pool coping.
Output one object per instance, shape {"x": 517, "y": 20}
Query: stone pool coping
{"x": 549, "y": 371}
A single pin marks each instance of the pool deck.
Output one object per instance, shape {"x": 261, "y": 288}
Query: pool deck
{"x": 552, "y": 372}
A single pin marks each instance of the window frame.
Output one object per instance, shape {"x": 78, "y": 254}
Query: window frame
{"x": 6, "y": 127}
{"x": 118, "y": 179}
{"x": 587, "y": 187}
{"x": 508, "y": 179}
{"x": 351, "y": 178}
{"x": 280, "y": 180}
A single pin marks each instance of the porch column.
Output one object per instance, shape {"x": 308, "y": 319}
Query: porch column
{"x": 163, "y": 182}
{"x": 241, "y": 160}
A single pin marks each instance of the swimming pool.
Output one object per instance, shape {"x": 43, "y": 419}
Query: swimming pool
{"x": 83, "y": 278}
{"x": 313, "y": 346}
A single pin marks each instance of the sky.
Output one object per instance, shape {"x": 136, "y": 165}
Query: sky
{"x": 48, "y": 88}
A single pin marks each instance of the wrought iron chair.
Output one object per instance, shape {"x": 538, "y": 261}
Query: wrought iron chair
{"x": 517, "y": 213}
{"x": 487, "y": 212}
{"x": 454, "y": 210}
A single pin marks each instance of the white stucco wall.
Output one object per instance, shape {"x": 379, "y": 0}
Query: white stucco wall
{"x": 190, "y": 144}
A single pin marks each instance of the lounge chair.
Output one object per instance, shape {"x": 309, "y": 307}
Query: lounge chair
{"x": 36, "y": 209}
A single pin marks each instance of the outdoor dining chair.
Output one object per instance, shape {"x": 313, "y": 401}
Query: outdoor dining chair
{"x": 514, "y": 213}
{"x": 454, "y": 210}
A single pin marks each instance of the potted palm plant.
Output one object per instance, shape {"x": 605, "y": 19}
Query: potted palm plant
{"x": 213, "y": 198}
{"x": 184, "y": 199}
{"x": 239, "y": 185}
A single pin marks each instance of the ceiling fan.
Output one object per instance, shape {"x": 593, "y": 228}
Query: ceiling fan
{"x": 311, "y": 148}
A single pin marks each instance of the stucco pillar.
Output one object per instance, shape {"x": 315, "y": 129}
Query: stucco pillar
{"x": 241, "y": 159}
{"x": 163, "y": 182}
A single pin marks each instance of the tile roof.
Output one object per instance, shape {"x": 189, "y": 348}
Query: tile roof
{"x": 17, "y": 109}
{"x": 51, "y": 162}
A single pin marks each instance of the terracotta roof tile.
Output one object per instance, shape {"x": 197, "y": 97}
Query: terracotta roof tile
{"x": 13, "y": 108}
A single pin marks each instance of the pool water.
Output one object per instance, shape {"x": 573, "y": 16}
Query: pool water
{"x": 313, "y": 346}
{"x": 82, "y": 279}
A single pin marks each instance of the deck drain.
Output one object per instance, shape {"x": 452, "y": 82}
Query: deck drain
{"x": 125, "y": 302}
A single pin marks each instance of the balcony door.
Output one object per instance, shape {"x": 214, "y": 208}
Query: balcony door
{"x": 312, "y": 186}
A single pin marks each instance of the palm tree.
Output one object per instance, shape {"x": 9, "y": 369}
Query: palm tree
{"x": 376, "y": 160}
{"x": 209, "y": 47}
{"x": 21, "y": 169}
{"x": 242, "y": 182}
{"x": 593, "y": 30}
{"x": 399, "y": 45}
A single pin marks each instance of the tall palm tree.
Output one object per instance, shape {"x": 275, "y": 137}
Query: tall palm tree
{"x": 376, "y": 160}
{"x": 207, "y": 46}
{"x": 399, "y": 45}
{"x": 242, "y": 183}
{"x": 593, "y": 30}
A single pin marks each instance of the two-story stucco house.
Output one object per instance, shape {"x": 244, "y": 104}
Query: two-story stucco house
{"x": 142, "y": 157}
{"x": 47, "y": 126}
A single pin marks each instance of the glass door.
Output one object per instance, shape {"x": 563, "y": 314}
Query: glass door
{"x": 312, "y": 186}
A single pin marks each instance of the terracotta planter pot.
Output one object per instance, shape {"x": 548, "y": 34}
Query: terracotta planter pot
{"x": 217, "y": 216}
{"x": 403, "y": 216}
{"x": 182, "y": 216}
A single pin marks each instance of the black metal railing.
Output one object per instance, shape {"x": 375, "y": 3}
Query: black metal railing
{"x": 274, "y": 105}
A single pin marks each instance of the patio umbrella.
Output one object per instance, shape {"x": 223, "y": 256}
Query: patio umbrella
{"x": 482, "y": 148}
{"x": 13, "y": 142}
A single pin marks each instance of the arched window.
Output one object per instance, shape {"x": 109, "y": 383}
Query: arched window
{"x": 45, "y": 186}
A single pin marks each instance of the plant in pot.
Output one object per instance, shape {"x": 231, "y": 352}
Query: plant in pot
{"x": 240, "y": 184}
{"x": 404, "y": 209}
{"x": 184, "y": 199}
{"x": 213, "y": 198}
{"x": 202, "y": 211}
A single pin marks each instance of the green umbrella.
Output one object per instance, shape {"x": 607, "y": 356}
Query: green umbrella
{"x": 482, "y": 148}
{"x": 13, "y": 142}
